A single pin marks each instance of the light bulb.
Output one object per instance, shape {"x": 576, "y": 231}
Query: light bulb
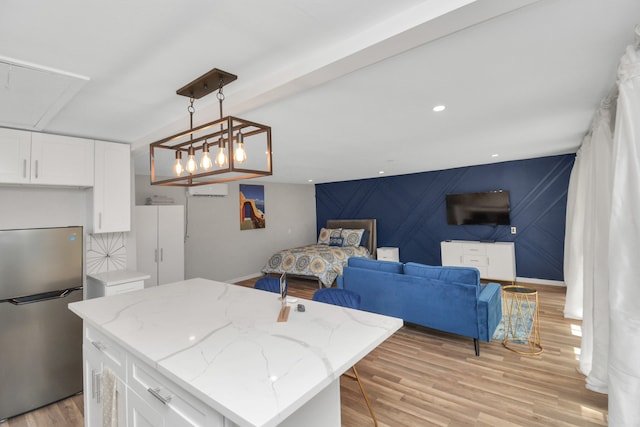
{"x": 177, "y": 168}
{"x": 221, "y": 158}
{"x": 240, "y": 155}
{"x": 192, "y": 166}
{"x": 205, "y": 161}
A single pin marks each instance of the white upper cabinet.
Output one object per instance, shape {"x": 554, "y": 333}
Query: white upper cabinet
{"x": 15, "y": 156}
{"x": 43, "y": 159}
{"x": 112, "y": 188}
{"x": 61, "y": 160}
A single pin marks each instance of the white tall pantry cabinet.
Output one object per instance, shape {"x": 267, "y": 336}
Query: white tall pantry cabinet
{"x": 160, "y": 243}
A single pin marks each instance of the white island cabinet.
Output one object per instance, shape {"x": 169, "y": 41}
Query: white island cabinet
{"x": 206, "y": 353}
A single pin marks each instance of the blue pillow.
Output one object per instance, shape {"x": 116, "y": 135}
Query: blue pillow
{"x": 336, "y": 241}
{"x": 327, "y": 233}
{"x": 365, "y": 238}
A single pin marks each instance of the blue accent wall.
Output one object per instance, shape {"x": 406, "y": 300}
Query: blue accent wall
{"x": 411, "y": 212}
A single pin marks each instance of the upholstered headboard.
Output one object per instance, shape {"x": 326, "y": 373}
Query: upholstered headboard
{"x": 367, "y": 224}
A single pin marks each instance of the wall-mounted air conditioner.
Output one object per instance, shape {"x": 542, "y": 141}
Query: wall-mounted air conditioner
{"x": 218, "y": 190}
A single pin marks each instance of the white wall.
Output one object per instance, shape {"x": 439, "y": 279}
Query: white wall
{"x": 41, "y": 207}
{"x": 215, "y": 246}
{"x": 36, "y": 207}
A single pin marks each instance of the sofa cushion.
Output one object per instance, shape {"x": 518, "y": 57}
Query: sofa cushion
{"x": 372, "y": 264}
{"x": 466, "y": 275}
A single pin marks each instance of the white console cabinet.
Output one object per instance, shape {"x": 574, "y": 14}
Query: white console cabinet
{"x": 495, "y": 260}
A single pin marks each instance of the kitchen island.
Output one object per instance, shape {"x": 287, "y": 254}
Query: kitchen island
{"x": 206, "y": 353}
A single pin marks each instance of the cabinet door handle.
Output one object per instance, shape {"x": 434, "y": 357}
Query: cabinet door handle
{"x": 155, "y": 392}
{"x": 36, "y": 169}
{"x": 155, "y": 257}
{"x": 24, "y": 168}
{"x": 161, "y": 254}
{"x": 98, "y": 345}
{"x": 93, "y": 383}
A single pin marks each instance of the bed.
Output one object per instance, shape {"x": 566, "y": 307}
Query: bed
{"x": 324, "y": 261}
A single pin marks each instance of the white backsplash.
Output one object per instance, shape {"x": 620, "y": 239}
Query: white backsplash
{"x": 106, "y": 252}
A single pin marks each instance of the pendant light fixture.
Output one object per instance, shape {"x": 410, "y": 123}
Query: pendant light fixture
{"x": 239, "y": 154}
{"x": 243, "y": 147}
{"x": 178, "y": 169}
{"x": 205, "y": 160}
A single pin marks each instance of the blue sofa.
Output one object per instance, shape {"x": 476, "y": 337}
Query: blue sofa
{"x": 449, "y": 299}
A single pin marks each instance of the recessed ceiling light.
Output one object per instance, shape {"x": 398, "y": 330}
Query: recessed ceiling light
{"x": 380, "y": 172}
{"x": 439, "y": 108}
{"x": 309, "y": 180}
{"x": 495, "y": 155}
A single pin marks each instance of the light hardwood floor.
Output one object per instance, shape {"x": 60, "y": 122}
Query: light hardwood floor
{"x": 421, "y": 377}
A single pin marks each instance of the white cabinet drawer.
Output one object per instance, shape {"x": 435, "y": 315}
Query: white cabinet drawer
{"x": 124, "y": 287}
{"x": 175, "y": 406}
{"x": 474, "y": 249}
{"x": 140, "y": 413}
{"x": 475, "y": 260}
{"x": 114, "y": 355}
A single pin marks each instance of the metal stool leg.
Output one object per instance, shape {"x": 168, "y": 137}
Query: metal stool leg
{"x": 364, "y": 394}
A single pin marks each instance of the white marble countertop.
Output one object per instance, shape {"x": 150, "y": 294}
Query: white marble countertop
{"x": 118, "y": 277}
{"x": 221, "y": 343}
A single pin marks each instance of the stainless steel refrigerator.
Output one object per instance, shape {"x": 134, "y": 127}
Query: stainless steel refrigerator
{"x": 40, "y": 339}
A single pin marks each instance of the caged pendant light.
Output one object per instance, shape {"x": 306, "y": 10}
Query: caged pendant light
{"x": 242, "y": 148}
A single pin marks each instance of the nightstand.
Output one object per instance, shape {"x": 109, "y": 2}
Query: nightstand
{"x": 388, "y": 254}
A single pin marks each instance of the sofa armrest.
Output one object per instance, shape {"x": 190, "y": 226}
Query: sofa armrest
{"x": 489, "y": 310}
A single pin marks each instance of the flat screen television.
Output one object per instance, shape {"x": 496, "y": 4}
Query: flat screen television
{"x": 485, "y": 208}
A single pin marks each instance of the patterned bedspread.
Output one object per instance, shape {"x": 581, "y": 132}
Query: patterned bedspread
{"x": 322, "y": 261}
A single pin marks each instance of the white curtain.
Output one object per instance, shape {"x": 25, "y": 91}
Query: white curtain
{"x": 586, "y": 246}
{"x": 624, "y": 254}
{"x": 602, "y": 246}
{"x": 573, "y": 240}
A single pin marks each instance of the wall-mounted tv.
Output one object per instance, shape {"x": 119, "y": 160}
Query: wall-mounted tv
{"x": 485, "y": 208}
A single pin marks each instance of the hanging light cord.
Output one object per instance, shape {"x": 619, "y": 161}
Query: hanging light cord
{"x": 220, "y": 96}
{"x": 191, "y": 110}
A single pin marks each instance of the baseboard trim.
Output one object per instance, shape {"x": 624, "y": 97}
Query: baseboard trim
{"x": 534, "y": 281}
{"x": 250, "y": 276}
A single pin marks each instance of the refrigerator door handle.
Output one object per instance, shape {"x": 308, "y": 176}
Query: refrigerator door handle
{"x": 44, "y": 296}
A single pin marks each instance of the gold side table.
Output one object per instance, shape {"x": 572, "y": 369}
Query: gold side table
{"x": 521, "y": 321}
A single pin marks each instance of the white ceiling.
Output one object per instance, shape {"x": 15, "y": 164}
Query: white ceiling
{"x": 347, "y": 86}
